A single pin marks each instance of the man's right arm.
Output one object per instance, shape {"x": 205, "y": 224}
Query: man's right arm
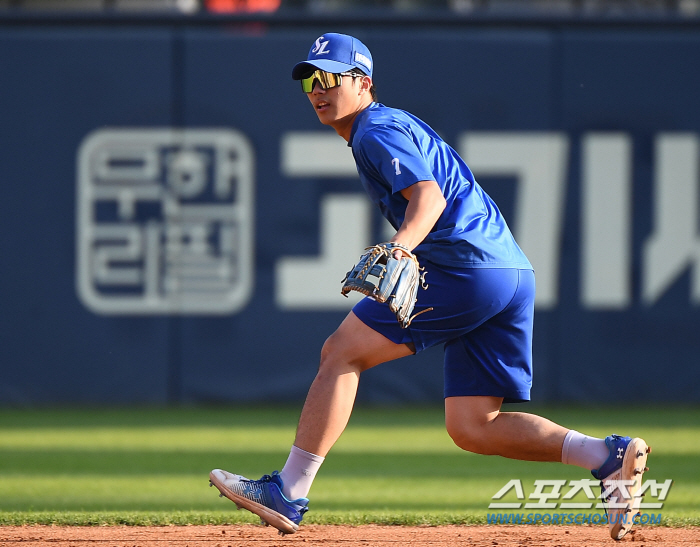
{"x": 425, "y": 205}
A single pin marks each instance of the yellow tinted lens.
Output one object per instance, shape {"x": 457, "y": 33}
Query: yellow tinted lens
{"x": 327, "y": 80}
{"x": 307, "y": 84}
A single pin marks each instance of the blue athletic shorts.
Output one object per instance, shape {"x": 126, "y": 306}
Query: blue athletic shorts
{"x": 483, "y": 316}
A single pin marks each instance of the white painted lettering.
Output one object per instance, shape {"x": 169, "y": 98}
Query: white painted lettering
{"x": 674, "y": 246}
{"x": 304, "y": 283}
{"x": 606, "y": 216}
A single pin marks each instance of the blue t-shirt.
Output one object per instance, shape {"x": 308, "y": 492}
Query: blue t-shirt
{"x": 394, "y": 150}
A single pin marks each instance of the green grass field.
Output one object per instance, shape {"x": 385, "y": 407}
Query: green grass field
{"x": 392, "y": 465}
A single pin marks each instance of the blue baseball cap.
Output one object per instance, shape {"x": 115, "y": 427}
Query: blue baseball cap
{"x": 335, "y": 53}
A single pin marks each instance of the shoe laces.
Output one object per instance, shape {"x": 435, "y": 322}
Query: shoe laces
{"x": 264, "y": 478}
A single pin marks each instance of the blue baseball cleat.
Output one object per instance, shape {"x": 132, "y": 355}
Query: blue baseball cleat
{"x": 263, "y": 497}
{"x": 620, "y": 479}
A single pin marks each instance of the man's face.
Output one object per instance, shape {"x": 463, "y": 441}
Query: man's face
{"x": 339, "y": 103}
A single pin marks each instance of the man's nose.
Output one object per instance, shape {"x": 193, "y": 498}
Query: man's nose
{"x": 317, "y": 88}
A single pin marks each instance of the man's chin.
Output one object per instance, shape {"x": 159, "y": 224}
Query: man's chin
{"x": 324, "y": 118}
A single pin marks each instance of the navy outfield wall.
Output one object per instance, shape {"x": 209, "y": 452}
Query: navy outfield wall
{"x": 176, "y": 222}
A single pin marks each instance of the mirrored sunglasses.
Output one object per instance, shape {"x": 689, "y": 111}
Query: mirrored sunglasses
{"x": 327, "y": 80}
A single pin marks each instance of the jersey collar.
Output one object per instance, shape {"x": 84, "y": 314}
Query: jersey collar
{"x": 356, "y": 121}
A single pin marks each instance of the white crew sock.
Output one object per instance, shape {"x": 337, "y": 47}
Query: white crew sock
{"x": 299, "y": 472}
{"x": 587, "y": 452}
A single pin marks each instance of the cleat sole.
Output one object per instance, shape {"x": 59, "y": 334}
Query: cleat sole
{"x": 268, "y": 516}
{"x": 633, "y": 467}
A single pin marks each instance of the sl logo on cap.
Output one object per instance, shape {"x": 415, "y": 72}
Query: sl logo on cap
{"x": 320, "y": 47}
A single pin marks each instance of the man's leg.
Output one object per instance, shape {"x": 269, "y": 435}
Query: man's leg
{"x": 280, "y": 499}
{"x": 349, "y": 351}
{"x": 476, "y": 424}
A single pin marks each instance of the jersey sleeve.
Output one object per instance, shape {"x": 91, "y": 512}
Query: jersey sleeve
{"x": 394, "y": 156}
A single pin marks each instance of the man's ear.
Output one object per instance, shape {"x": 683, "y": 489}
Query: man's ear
{"x": 366, "y": 83}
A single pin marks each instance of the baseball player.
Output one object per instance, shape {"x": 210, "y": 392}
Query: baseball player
{"x": 481, "y": 289}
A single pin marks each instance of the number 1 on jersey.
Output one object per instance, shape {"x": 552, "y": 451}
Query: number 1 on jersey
{"x": 395, "y": 163}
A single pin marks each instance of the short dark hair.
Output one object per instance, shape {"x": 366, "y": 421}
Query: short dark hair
{"x": 372, "y": 89}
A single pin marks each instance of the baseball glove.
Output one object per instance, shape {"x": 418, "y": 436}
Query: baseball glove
{"x": 387, "y": 279}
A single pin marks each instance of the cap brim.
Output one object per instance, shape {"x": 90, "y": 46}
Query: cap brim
{"x": 305, "y": 67}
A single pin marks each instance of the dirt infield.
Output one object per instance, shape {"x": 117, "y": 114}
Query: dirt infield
{"x": 332, "y": 536}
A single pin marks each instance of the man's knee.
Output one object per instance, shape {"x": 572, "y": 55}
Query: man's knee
{"x": 329, "y": 352}
{"x": 469, "y": 422}
{"x": 469, "y": 436}
{"x": 355, "y": 346}
{"x": 335, "y": 355}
